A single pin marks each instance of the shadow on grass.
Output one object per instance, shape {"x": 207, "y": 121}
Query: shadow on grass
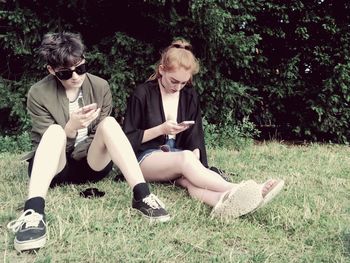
{"x": 346, "y": 242}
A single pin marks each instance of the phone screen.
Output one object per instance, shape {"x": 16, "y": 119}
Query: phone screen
{"x": 187, "y": 123}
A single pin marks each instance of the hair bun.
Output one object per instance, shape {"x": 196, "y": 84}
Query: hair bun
{"x": 181, "y": 44}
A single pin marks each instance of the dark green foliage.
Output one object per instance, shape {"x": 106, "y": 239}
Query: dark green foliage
{"x": 15, "y": 144}
{"x": 124, "y": 62}
{"x": 284, "y": 67}
{"x": 230, "y": 133}
{"x": 304, "y": 47}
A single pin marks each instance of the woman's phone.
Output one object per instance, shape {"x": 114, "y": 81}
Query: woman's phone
{"x": 187, "y": 123}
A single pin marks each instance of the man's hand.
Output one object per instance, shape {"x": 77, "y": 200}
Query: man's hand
{"x": 81, "y": 118}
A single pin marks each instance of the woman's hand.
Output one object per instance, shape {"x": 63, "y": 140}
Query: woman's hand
{"x": 81, "y": 118}
{"x": 171, "y": 127}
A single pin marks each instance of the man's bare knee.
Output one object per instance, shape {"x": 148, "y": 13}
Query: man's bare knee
{"x": 108, "y": 125}
{"x": 55, "y": 131}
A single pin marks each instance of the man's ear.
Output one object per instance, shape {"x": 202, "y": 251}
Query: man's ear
{"x": 50, "y": 69}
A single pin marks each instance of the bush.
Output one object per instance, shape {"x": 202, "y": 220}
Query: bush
{"x": 265, "y": 62}
{"x": 124, "y": 62}
{"x": 15, "y": 144}
{"x": 230, "y": 134}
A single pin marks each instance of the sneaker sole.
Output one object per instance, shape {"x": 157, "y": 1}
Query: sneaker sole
{"x": 243, "y": 200}
{"x": 154, "y": 219}
{"x": 30, "y": 245}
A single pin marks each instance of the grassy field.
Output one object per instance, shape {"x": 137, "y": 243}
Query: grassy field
{"x": 308, "y": 222}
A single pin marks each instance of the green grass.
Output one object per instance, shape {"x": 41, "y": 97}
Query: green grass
{"x": 308, "y": 222}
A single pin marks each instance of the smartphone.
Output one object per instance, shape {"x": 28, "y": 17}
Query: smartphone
{"x": 90, "y": 107}
{"x": 186, "y": 123}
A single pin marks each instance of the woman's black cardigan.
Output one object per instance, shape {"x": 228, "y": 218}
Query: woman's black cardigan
{"x": 145, "y": 110}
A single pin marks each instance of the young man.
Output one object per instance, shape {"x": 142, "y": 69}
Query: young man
{"x": 74, "y": 138}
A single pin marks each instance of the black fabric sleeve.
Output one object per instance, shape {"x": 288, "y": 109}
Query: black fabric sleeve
{"x": 194, "y": 136}
{"x": 132, "y": 122}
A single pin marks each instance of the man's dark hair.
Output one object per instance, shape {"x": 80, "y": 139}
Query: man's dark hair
{"x": 62, "y": 49}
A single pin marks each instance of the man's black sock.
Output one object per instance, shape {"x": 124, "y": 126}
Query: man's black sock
{"x": 35, "y": 203}
{"x": 140, "y": 191}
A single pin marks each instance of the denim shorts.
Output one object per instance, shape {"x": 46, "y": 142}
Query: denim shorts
{"x": 169, "y": 146}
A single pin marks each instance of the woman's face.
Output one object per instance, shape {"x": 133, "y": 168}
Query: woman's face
{"x": 173, "y": 81}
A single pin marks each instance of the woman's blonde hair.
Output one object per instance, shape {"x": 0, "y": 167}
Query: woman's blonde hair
{"x": 178, "y": 54}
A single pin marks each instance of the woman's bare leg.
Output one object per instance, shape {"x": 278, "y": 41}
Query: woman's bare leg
{"x": 208, "y": 197}
{"x": 161, "y": 166}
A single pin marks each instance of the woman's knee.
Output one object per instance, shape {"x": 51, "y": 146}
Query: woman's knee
{"x": 187, "y": 158}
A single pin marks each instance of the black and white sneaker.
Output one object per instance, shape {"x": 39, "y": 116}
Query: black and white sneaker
{"x": 152, "y": 208}
{"x": 224, "y": 174}
{"x": 30, "y": 231}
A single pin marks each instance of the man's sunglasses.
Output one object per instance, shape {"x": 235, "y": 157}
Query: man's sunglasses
{"x": 68, "y": 73}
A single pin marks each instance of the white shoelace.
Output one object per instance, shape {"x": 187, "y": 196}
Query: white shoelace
{"x": 29, "y": 217}
{"x": 153, "y": 201}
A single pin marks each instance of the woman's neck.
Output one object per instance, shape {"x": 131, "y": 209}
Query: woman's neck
{"x": 164, "y": 92}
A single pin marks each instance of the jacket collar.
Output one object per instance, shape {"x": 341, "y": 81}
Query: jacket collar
{"x": 62, "y": 97}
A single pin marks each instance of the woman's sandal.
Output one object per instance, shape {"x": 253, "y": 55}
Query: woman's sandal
{"x": 239, "y": 201}
{"x": 272, "y": 192}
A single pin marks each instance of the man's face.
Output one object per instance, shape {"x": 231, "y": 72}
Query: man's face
{"x": 71, "y": 78}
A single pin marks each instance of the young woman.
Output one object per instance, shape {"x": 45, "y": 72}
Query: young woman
{"x": 74, "y": 138}
{"x": 163, "y": 123}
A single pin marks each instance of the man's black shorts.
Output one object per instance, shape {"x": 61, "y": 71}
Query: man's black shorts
{"x": 76, "y": 172}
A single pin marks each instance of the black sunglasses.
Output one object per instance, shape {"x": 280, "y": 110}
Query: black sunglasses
{"x": 68, "y": 73}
